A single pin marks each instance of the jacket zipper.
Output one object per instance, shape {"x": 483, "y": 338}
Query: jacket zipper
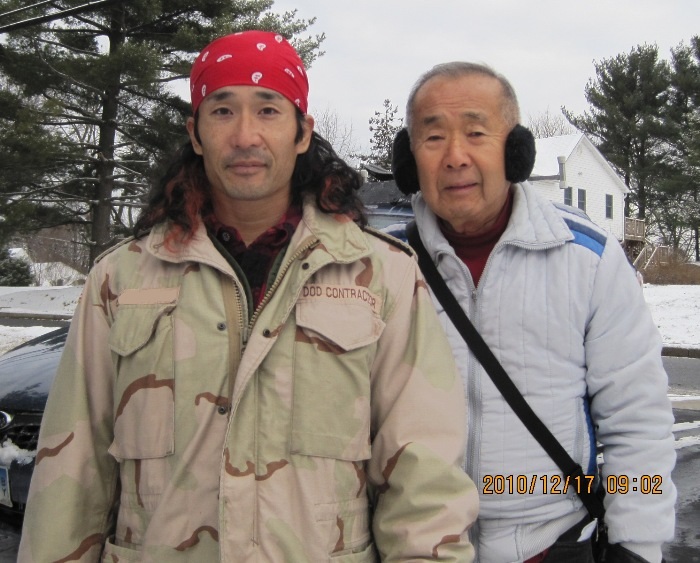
{"x": 249, "y": 327}
{"x": 278, "y": 280}
{"x": 471, "y": 385}
{"x": 471, "y": 463}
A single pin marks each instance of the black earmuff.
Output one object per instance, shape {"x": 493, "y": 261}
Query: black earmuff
{"x": 403, "y": 164}
{"x": 520, "y": 154}
{"x": 519, "y": 157}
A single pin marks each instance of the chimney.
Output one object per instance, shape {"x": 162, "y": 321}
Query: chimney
{"x": 562, "y": 172}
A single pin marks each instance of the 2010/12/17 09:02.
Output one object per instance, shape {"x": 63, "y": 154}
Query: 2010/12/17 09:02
{"x": 560, "y": 485}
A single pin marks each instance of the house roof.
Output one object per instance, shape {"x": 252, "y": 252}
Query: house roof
{"x": 549, "y": 149}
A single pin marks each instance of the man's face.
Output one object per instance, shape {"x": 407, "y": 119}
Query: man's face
{"x": 458, "y": 139}
{"x": 247, "y": 141}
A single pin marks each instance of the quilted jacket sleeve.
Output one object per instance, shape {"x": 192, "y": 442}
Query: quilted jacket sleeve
{"x": 629, "y": 406}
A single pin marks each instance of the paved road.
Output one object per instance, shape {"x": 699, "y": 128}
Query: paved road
{"x": 686, "y": 546}
{"x": 9, "y": 539}
{"x": 684, "y": 389}
{"x": 25, "y": 322}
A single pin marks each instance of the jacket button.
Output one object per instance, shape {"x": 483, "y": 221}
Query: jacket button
{"x": 222, "y": 409}
{"x": 305, "y": 266}
{"x": 266, "y": 333}
{"x": 221, "y": 326}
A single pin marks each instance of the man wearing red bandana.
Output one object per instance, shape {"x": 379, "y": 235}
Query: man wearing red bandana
{"x": 255, "y": 375}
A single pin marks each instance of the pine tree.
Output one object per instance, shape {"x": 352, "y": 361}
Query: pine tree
{"x": 628, "y": 114}
{"x": 14, "y": 272}
{"x": 680, "y": 186}
{"x": 384, "y": 125}
{"x": 90, "y": 113}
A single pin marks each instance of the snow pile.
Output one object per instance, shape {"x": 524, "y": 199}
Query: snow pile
{"x": 58, "y": 301}
{"x": 9, "y": 452}
{"x": 676, "y": 311}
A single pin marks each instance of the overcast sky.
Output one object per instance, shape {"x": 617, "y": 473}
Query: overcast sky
{"x": 376, "y": 49}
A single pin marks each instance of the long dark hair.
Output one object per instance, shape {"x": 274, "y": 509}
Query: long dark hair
{"x": 182, "y": 196}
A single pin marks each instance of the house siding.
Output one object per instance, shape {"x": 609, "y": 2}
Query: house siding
{"x": 586, "y": 170}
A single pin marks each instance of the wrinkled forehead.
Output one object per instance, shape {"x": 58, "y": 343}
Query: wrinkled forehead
{"x": 462, "y": 100}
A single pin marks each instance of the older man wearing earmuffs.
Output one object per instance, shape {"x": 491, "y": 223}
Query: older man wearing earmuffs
{"x": 558, "y": 305}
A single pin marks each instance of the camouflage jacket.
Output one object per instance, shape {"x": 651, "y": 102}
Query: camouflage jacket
{"x": 326, "y": 426}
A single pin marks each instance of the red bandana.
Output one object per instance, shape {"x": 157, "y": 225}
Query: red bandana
{"x": 250, "y": 58}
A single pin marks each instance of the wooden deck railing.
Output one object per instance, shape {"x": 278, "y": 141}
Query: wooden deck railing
{"x": 652, "y": 254}
{"x": 635, "y": 229}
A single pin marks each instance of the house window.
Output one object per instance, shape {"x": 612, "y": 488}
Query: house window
{"x": 582, "y": 200}
{"x": 567, "y": 195}
{"x": 608, "y": 206}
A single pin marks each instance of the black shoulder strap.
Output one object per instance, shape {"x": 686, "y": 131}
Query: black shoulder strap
{"x": 573, "y": 474}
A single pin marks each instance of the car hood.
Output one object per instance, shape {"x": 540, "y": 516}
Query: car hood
{"x": 27, "y": 372}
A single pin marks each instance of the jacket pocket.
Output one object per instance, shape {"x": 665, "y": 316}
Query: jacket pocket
{"x": 335, "y": 344}
{"x": 366, "y": 555}
{"x": 114, "y": 552}
{"x": 141, "y": 341}
{"x": 349, "y": 526}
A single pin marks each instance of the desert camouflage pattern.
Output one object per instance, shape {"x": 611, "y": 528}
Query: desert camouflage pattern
{"x": 327, "y": 426}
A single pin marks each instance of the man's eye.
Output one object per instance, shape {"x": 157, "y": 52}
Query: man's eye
{"x": 269, "y": 111}
{"x": 221, "y": 111}
{"x": 434, "y": 138}
{"x": 476, "y": 134}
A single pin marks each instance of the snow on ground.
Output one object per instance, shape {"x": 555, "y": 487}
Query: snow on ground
{"x": 34, "y": 300}
{"x": 675, "y": 309}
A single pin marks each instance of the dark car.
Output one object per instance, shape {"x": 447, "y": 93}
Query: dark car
{"x": 26, "y": 375}
{"x": 383, "y": 216}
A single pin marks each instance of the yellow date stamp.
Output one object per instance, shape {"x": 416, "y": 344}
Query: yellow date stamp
{"x": 623, "y": 484}
{"x": 562, "y": 485}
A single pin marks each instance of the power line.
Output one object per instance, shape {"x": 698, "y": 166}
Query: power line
{"x": 56, "y": 15}
{"x": 18, "y": 10}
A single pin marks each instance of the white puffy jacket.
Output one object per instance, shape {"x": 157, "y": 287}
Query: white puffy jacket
{"x": 560, "y": 307}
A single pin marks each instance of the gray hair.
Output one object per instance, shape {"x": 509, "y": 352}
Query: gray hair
{"x": 457, "y": 69}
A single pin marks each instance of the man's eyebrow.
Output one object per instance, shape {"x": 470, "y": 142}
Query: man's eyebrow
{"x": 430, "y": 120}
{"x": 475, "y": 116}
{"x": 269, "y": 95}
{"x": 220, "y": 96}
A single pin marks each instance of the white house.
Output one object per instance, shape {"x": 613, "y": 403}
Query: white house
{"x": 570, "y": 169}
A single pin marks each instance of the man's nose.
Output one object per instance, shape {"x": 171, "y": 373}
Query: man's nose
{"x": 245, "y": 131}
{"x": 457, "y": 152}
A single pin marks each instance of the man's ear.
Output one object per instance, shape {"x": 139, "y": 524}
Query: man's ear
{"x": 403, "y": 164}
{"x": 192, "y": 132}
{"x": 307, "y": 129}
{"x": 520, "y": 154}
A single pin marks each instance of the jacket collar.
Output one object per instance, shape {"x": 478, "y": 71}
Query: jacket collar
{"x": 336, "y": 233}
{"x": 339, "y": 236}
{"x": 534, "y": 222}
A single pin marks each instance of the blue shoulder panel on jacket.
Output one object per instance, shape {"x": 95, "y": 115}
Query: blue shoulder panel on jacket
{"x": 397, "y": 230}
{"x": 587, "y": 236}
